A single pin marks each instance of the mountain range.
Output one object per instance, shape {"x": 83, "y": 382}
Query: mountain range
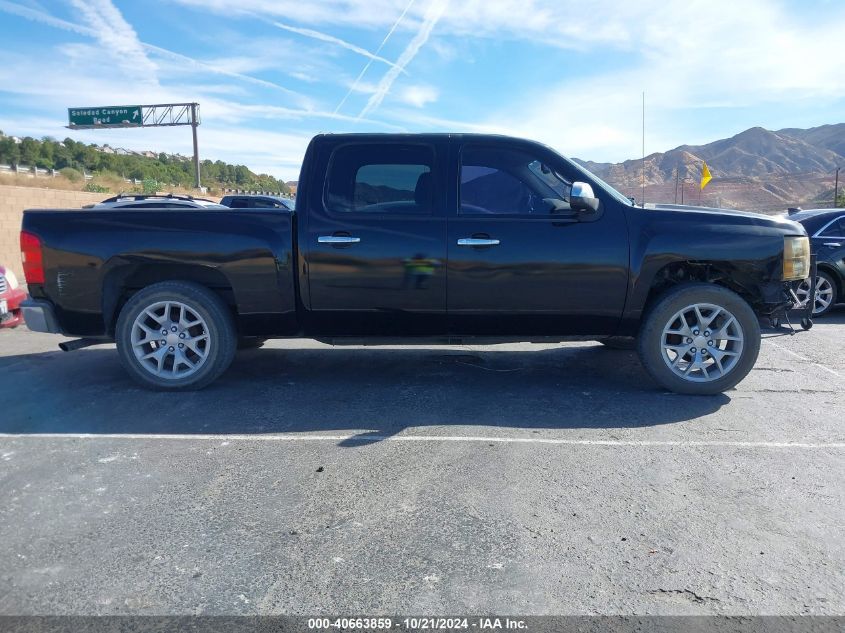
{"x": 758, "y": 169}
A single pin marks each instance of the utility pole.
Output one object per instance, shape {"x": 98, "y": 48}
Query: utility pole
{"x": 677, "y": 175}
{"x": 194, "y": 124}
{"x": 643, "y": 201}
{"x": 836, "y": 190}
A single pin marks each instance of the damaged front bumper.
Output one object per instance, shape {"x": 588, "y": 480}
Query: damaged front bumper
{"x": 782, "y": 303}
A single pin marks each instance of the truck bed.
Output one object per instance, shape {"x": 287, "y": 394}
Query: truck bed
{"x": 94, "y": 259}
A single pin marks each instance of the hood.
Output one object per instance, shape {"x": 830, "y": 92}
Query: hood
{"x": 732, "y": 216}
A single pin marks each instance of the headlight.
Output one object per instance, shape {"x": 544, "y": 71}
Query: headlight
{"x": 796, "y": 258}
{"x": 11, "y": 280}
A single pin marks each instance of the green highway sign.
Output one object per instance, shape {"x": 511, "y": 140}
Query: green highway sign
{"x": 106, "y": 116}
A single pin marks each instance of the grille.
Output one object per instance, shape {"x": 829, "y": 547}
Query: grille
{"x": 3, "y": 285}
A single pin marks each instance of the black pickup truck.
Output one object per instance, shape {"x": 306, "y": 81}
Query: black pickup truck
{"x": 418, "y": 239}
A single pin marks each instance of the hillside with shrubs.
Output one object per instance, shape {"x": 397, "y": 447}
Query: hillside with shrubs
{"x": 112, "y": 167}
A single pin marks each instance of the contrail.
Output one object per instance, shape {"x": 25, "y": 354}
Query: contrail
{"x": 325, "y": 37}
{"x": 370, "y": 61}
{"x": 228, "y": 73}
{"x": 113, "y": 31}
{"x": 432, "y": 16}
{"x": 44, "y": 18}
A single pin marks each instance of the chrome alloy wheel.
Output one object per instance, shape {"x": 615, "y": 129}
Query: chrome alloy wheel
{"x": 823, "y": 297}
{"x": 170, "y": 340}
{"x": 702, "y": 342}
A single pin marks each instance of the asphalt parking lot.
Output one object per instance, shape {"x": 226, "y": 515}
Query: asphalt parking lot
{"x": 519, "y": 479}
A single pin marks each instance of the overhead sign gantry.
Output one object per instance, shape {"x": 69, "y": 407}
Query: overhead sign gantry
{"x": 157, "y": 115}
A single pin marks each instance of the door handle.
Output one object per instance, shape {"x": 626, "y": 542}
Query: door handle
{"x": 833, "y": 244}
{"x": 338, "y": 239}
{"x": 475, "y": 241}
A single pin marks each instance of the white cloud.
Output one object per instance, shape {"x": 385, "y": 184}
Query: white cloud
{"x": 419, "y": 96}
{"x": 687, "y": 60}
{"x": 310, "y": 79}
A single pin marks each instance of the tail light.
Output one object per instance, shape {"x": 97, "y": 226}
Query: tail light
{"x": 32, "y": 258}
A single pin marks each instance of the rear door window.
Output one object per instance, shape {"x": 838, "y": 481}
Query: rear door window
{"x": 381, "y": 178}
{"x": 835, "y": 229}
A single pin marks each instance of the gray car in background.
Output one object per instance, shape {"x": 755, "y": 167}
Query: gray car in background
{"x": 257, "y": 201}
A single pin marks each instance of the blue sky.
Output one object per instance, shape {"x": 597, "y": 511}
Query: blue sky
{"x": 269, "y": 74}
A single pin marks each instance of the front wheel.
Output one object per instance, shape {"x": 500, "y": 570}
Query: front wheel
{"x": 699, "y": 339}
{"x": 175, "y": 336}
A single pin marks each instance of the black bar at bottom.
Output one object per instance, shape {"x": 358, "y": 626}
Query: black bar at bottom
{"x": 375, "y": 623}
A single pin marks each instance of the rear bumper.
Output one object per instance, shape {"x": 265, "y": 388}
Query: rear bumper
{"x": 40, "y": 316}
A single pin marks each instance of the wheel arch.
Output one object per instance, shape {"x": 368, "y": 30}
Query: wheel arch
{"x": 830, "y": 269}
{"x": 677, "y": 272}
{"x": 122, "y": 282}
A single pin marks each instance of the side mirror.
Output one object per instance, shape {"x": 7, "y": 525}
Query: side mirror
{"x": 582, "y": 198}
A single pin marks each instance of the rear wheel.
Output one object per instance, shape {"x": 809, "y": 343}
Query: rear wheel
{"x": 825, "y": 297}
{"x": 699, "y": 338}
{"x": 175, "y": 336}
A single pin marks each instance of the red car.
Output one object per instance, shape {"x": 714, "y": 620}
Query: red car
{"x": 11, "y": 295}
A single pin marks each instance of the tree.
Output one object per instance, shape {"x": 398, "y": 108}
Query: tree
{"x": 10, "y": 153}
{"x": 46, "y": 155}
{"x": 29, "y": 151}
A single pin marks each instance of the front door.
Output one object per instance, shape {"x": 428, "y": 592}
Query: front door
{"x": 375, "y": 241}
{"x": 518, "y": 263}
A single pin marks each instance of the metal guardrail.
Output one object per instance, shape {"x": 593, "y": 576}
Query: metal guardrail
{"x": 35, "y": 172}
{"x": 257, "y": 193}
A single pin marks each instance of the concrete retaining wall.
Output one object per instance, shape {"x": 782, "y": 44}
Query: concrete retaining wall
{"x": 13, "y": 200}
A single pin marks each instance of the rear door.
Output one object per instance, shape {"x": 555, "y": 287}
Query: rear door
{"x": 375, "y": 247}
{"x": 517, "y": 264}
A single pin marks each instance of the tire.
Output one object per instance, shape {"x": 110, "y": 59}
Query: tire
{"x": 197, "y": 330}
{"x": 826, "y": 293}
{"x": 250, "y": 342}
{"x": 619, "y": 342}
{"x": 712, "y": 368}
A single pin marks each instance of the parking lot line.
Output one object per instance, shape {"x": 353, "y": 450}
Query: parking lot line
{"x": 806, "y": 360}
{"x": 368, "y": 438}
